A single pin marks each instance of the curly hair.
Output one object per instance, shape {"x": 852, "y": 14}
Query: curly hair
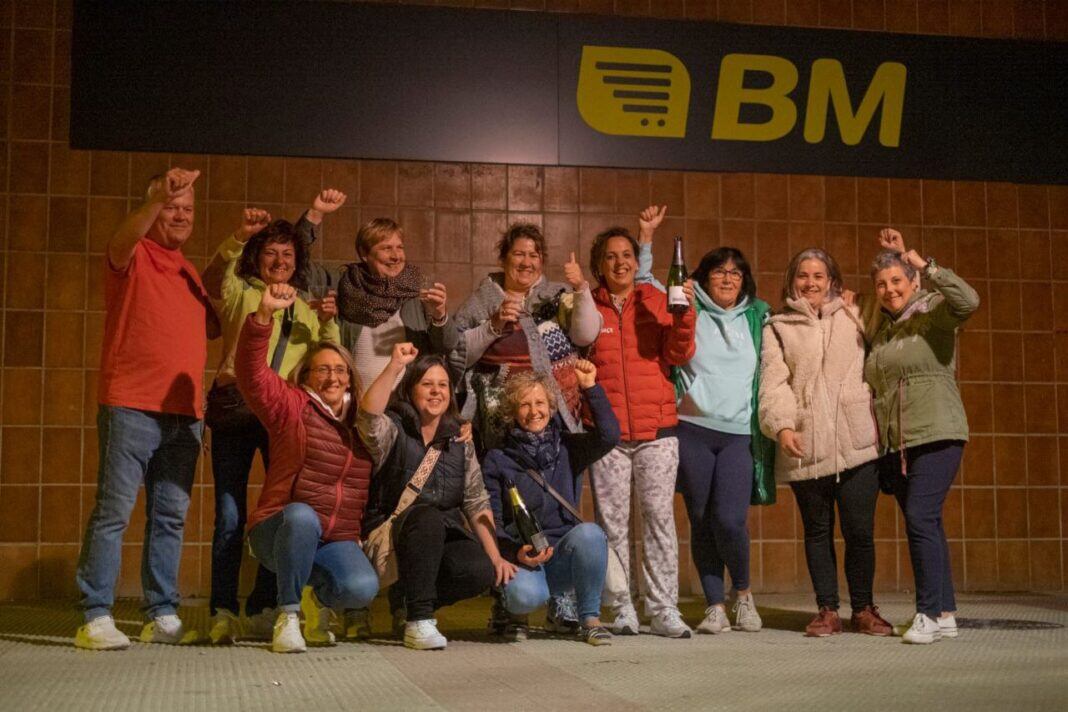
{"x": 517, "y": 386}
{"x": 518, "y": 231}
{"x": 279, "y": 232}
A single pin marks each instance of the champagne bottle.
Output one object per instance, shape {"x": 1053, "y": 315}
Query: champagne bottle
{"x": 677, "y": 301}
{"x": 529, "y": 529}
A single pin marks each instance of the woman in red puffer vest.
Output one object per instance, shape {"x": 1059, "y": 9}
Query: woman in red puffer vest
{"x": 639, "y": 343}
{"x": 306, "y": 526}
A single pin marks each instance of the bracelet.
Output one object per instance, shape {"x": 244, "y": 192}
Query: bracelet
{"x": 443, "y": 322}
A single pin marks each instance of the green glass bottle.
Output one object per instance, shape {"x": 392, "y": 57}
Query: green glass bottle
{"x": 677, "y": 301}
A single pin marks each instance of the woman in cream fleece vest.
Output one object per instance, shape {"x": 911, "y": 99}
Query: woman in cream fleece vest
{"x": 815, "y": 403}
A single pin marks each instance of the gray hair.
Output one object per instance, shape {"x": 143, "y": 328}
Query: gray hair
{"x": 887, "y": 259}
{"x": 517, "y": 386}
{"x": 834, "y": 274}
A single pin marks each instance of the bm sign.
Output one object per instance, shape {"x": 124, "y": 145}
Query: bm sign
{"x": 452, "y": 84}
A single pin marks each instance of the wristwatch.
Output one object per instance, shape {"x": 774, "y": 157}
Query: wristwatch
{"x": 930, "y": 268}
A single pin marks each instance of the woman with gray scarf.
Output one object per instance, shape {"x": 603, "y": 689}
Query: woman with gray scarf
{"x": 382, "y": 300}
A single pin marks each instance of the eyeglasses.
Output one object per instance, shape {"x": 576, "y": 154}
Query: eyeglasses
{"x": 324, "y": 371}
{"x": 733, "y": 274}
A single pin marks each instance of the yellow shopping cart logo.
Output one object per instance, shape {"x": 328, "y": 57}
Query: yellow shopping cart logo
{"x": 633, "y": 92}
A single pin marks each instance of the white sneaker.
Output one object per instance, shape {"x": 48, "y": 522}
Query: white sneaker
{"x": 669, "y": 624}
{"x": 923, "y": 631}
{"x": 715, "y": 621}
{"x": 423, "y": 635}
{"x": 319, "y": 620}
{"x": 167, "y": 630}
{"x": 625, "y": 622}
{"x": 260, "y": 626}
{"x": 225, "y": 628}
{"x": 101, "y": 634}
{"x": 947, "y": 626}
{"x": 286, "y": 637}
{"x": 745, "y": 614}
{"x": 358, "y": 624}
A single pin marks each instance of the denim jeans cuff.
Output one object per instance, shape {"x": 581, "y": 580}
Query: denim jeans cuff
{"x": 161, "y": 610}
{"x": 91, "y": 614}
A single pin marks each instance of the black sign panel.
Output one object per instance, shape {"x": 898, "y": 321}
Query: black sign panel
{"x": 372, "y": 81}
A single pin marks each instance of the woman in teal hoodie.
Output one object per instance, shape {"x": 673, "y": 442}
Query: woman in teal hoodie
{"x": 725, "y": 462}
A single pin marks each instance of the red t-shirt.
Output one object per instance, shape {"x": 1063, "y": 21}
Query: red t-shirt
{"x": 155, "y": 333}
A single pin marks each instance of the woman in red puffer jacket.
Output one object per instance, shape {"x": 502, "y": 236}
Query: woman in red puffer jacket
{"x": 306, "y": 526}
{"x": 639, "y": 343}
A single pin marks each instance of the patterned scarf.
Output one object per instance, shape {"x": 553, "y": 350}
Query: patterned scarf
{"x": 366, "y": 299}
{"x": 542, "y": 448}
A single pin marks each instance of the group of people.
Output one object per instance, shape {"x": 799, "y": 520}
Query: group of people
{"x": 396, "y": 437}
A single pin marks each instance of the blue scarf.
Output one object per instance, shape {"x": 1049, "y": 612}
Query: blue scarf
{"x": 539, "y": 450}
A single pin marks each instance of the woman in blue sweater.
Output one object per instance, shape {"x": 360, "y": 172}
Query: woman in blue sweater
{"x": 577, "y": 556}
{"x": 725, "y": 462}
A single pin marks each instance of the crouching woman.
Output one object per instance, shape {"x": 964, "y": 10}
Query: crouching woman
{"x": 545, "y": 463}
{"x": 306, "y": 526}
{"x": 413, "y": 442}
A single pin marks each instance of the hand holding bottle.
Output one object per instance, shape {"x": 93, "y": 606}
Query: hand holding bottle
{"x": 526, "y": 556}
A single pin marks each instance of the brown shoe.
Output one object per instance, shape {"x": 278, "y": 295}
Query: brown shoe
{"x": 825, "y": 623}
{"x": 868, "y": 621}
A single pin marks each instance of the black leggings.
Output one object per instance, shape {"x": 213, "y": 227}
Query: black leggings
{"x": 856, "y": 493}
{"x": 438, "y": 564}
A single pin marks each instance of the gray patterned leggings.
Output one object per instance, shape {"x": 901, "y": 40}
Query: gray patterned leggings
{"x": 652, "y": 467}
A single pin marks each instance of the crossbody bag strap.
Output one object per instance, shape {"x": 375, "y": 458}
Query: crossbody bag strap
{"x": 283, "y": 340}
{"x": 415, "y": 485}
{"x": 536, "y": 476}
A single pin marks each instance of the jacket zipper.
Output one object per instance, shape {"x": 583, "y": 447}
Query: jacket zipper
{"x": 623, "y": 364}
{"x": 339, "y": 488}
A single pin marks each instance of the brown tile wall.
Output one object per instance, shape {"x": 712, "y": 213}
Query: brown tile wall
{"x": 1006, "y": 517}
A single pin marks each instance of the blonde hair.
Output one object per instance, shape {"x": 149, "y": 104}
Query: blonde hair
{"x": 374, "y": 232}
{"x": 517, "y": 386}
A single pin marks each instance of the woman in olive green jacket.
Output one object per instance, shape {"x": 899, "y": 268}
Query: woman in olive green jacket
{"x": 922, "y": 427}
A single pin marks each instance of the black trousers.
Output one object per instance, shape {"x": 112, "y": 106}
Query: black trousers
{"x": 855, "y": 491}
{"x": 931, "y": 471}
{"x": 438, "y": 565}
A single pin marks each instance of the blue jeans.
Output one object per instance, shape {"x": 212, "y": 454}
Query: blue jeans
{"x": 715, "y": 480}
{"x": 159, "y": 450}
{"x": 289, "y": 544}
{"x": 231, "y": 458}
{"x": 579, "y": 561}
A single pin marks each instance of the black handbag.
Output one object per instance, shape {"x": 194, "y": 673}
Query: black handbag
{"x": 227, "y": 410}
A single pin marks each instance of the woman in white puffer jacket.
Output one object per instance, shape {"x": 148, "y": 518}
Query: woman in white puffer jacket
{"x": 815, "y": 404}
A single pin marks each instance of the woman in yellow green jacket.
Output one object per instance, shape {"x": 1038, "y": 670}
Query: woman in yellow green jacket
{"x": 259, "y": 253}
{"x": 911, "y": 366}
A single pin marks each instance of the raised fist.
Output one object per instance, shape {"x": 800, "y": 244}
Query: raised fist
{"x": 277, "y": 296}
{"x": 891, "y": 239}
{"x": 586, "y": 373}
{"x": 403, "y": 354}
{"x": 328, "y": 201}
{"x": 252, "y": 221}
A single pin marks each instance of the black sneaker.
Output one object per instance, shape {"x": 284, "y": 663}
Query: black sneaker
{"x": 510, "y": 627}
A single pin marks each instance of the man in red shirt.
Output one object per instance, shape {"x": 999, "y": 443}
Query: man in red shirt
{"x": 150, "y": 417}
